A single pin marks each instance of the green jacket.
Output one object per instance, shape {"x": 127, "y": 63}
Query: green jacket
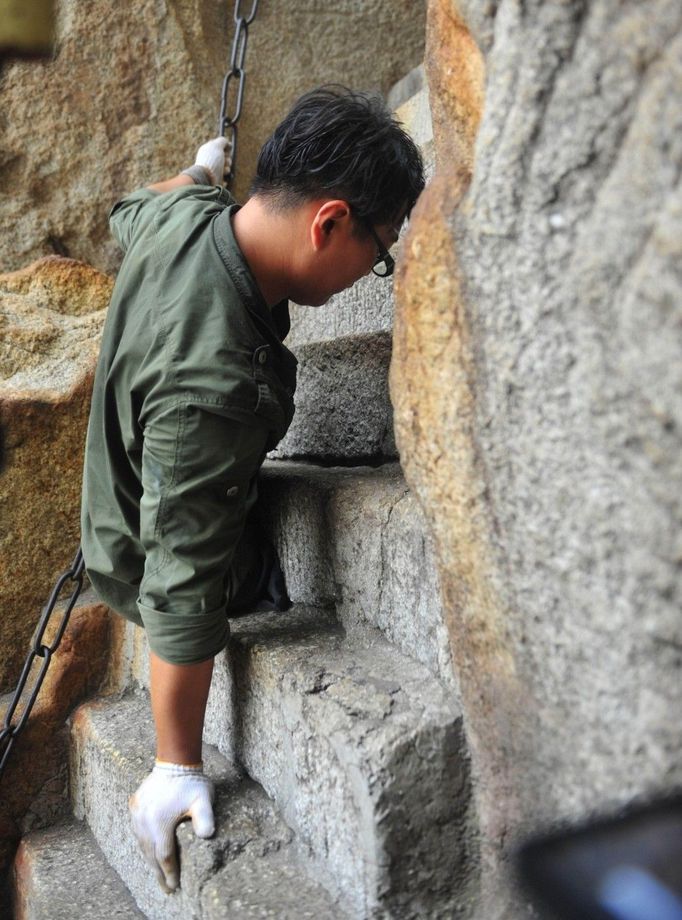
{"x": 193, "y": 387}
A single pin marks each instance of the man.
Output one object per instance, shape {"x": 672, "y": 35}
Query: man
{"x": 194, "y": 386}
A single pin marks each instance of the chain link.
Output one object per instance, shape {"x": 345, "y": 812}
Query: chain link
{"x": 39, "y": 649}
{"x": 234, "y": 84}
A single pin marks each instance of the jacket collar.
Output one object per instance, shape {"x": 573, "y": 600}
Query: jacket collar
{"x": 276, "y": 319}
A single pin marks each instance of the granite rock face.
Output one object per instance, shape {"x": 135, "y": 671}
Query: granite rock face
{"x": 77, "y": 135}
{"x": 537, "y": 383}
{"x": 51, "y": 319}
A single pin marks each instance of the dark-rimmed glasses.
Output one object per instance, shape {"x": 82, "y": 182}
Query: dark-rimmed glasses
{"x": 385, "y": 263}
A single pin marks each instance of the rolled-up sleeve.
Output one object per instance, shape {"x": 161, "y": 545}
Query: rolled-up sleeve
{"x": 198, "y": 466}
{"x": 133, "y": 214}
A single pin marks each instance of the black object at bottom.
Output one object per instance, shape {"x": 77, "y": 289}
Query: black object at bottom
{"x": 626, "y": 867}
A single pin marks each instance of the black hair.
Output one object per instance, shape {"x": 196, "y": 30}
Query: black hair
{"x": 344, "y": 144}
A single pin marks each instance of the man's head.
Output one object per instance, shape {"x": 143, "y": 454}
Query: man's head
{"x": 340, "y": 144}
{"x": 341, "y": 157}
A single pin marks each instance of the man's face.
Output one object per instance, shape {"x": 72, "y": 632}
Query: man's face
{"x": 347, "y": 256}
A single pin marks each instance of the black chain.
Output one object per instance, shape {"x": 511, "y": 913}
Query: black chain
{"x": 38, "y": 649}
{"x": 233, "y": 86}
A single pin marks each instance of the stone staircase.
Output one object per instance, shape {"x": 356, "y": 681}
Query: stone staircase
{"x": 333, "y": 732}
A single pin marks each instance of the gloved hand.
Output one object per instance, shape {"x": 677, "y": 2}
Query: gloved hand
{"x": 211, "y": 156}
{"x": 170, "y": 793}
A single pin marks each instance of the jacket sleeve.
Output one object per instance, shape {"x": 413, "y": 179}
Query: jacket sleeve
{"x": 130, "y": 216}
{"x": 197, "y": 471}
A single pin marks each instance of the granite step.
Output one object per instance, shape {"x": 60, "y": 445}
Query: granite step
{"x": 356, "y": 538}
{"x": 61, "y": 873}
{"x": 361, "y": 748}
{"x": 249, "y": 869}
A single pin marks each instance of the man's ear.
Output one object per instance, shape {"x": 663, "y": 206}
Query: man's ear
{"x": 329, "y": 217}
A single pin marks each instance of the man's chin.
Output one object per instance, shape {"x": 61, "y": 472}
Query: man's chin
{"x": 312, "y": 301}
{"x": 319, "y": 302}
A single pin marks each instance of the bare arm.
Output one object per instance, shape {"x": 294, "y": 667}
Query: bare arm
{"x": 179, "y": 693}
{"x": 169, "y": 184}
{"x": 177, "y": 787}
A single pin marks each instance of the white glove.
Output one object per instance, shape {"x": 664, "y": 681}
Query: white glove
{"x": 211, "y": 156}
{"x": 171, "y": 793}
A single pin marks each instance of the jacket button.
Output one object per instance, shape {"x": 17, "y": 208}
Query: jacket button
{"x": 262, "y": 357}
{"x": 232, "y": 491}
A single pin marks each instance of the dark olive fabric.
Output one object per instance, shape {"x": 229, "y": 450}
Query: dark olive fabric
{"x": 193, "y": 387}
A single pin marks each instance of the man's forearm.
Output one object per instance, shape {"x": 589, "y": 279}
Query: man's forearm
{"x": 179, "y": 693}
{"x": 169, "y": 184}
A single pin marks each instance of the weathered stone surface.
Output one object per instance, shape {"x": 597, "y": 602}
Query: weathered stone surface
{"x": 51, "y": 318}
{"x": 128, "y": 659}
{"x": 112, "y": 751}
{"x": 356, "y": 539}
{"x": 536, "y": 379}
{"x": 61, "y": 873}
{"x": 343, "y": 408}
{"x": 52, "y": 313}
{"x": 34, "y": 785}
{"x": 77, "y": 135}
{"x": 406, "y": 88}
{"x": 267, "y": 888}
{"x": 456, "y": 71}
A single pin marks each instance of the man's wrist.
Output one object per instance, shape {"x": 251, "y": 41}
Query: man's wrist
{"x": 198, "y": 174}
{"x": 171, "y": 767}
{"x": 171, "y": 763}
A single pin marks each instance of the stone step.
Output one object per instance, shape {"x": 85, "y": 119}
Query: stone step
{"x": 356, "y": 538}
{"x": 343, "y": 408}
{"x": 61, "y": 873}
{"x": 353, "y": 538}
{"x": 249, "y": 869}
{"x": 361, "y": 748}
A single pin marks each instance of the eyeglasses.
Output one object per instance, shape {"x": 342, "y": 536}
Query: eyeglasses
{"x": 385, "y": 263}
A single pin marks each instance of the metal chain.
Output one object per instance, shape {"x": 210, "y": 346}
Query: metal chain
{"x": 9, "y": 732}
{"x": 233, "y": 86}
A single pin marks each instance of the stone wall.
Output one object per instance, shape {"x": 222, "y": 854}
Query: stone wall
{"x": 135, "y": 88}
{"x": 537, "y": 384}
